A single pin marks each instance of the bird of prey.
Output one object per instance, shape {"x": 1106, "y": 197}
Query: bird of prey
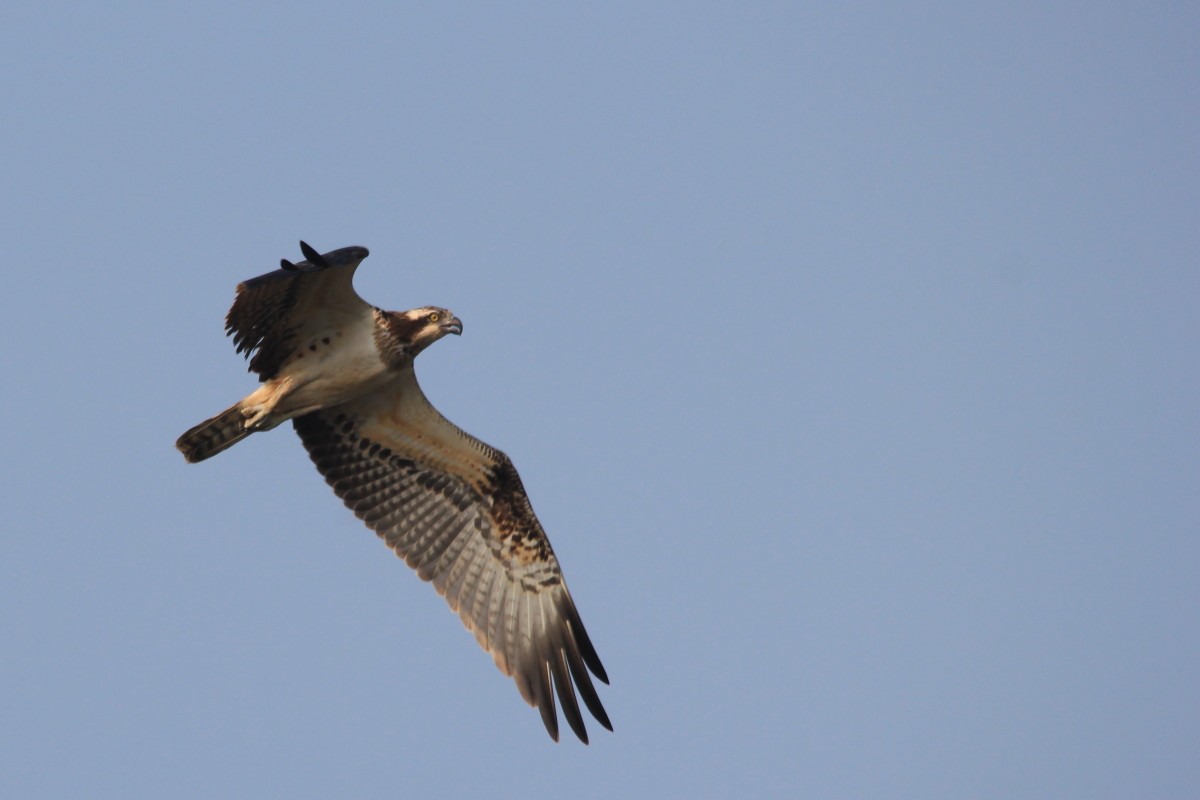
{"x": 451, "y": 506}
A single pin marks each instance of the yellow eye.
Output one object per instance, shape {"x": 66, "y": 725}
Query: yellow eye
{"x": 434, "y": 317}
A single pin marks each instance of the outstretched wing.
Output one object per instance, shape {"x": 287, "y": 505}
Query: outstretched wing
{"x": 454, "y": 509}
{"x": 275, "y": 313}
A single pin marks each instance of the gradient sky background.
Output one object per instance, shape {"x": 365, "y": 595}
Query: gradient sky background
{"x": 848, "y": 352}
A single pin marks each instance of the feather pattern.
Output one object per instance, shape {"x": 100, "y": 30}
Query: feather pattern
{"x": 451, "y": 506}
{"x": 455, "y": 510}
{"x": 274, "y": 314}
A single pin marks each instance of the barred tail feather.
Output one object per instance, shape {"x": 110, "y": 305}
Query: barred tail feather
{"x": 214, "y": 435}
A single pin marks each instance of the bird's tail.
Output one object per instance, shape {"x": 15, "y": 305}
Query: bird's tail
{"x": 214, "y": 435}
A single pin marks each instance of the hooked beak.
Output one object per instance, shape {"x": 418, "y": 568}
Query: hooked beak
{"x": 453, "y": 325}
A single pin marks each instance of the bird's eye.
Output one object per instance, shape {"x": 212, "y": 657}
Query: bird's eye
{"x": 434, "y": 317}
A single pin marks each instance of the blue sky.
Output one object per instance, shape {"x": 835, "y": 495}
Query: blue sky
{"x": 847, "y": 351}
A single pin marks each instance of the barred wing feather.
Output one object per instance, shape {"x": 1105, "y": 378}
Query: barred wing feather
{"x": 455, "y": 510}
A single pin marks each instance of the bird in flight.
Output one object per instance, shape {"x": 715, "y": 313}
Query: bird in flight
{"x": 451, "y": 506}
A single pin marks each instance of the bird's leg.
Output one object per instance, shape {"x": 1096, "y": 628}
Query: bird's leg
{"x": 257, "y": 407}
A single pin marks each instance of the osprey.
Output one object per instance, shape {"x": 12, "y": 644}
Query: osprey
{"x": 451, "y": 506}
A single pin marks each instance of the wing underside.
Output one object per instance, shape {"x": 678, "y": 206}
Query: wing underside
{"x": 275, "y": 313}
{"x": 454, "y": 509}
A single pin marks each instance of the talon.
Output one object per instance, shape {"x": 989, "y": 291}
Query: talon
{"x": 251, "y": 417}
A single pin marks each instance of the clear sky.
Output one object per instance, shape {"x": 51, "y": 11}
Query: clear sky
{"x": 848, "y": 352}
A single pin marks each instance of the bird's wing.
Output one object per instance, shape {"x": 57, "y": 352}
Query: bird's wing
{"x": 455, "y": 510}
{"x": 276, "y": 313}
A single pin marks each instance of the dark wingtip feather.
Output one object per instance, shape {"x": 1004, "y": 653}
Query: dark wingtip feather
{"x": 312, "y": 255}
{"x": 584, "y": 682}
{"x": 586, "y": 649}
{"x": 598, "y": 712}
{"x": 557, "y": 662}
{"x": 543, "y": 698}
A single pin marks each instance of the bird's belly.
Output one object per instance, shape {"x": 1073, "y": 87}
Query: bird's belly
{"x": 334, "y": 382}
{"x": 332, "y": 371}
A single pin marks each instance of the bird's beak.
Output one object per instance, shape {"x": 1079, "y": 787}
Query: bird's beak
{"x": 453, "y": 325}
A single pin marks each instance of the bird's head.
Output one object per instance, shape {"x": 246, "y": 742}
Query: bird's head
{"x": 421, "y": 327}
